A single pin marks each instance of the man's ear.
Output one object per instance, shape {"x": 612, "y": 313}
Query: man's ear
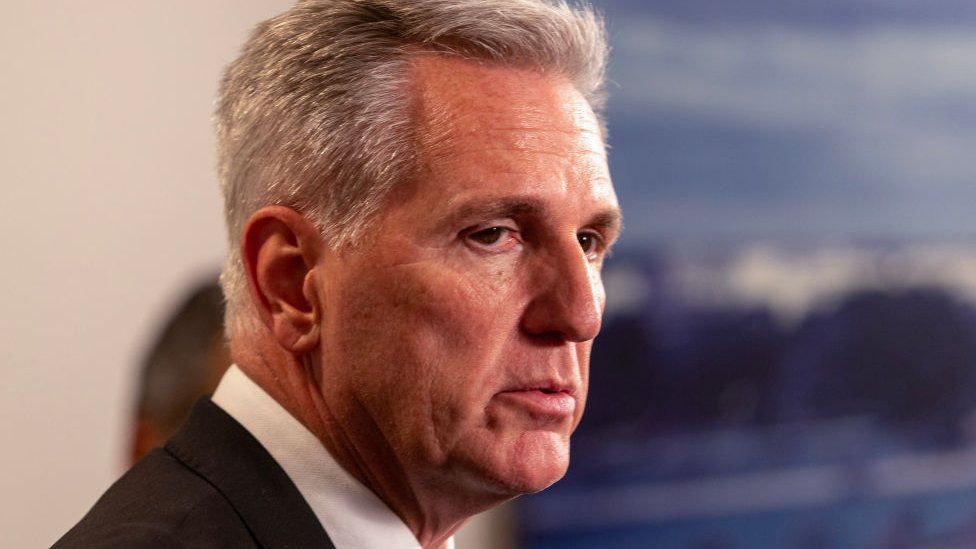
{"x": 280, "y": 249}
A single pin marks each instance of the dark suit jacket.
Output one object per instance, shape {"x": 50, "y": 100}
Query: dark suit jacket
{"x": 212, "y": 485}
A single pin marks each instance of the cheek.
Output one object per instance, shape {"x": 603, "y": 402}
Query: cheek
{"x": 441, "y": 331}
{"x": 456, "y": 313}
{"x": 430, "y": 339}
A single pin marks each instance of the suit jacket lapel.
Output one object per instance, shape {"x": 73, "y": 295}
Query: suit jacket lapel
{"x": 221, "y": 451}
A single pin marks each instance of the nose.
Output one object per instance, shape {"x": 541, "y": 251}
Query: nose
{"x": 568, "y": 297}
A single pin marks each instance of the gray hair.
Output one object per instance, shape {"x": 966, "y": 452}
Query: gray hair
{"x": 315, "y": 113}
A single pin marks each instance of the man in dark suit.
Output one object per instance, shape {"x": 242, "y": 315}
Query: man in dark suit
{"x": 418, "y": 205}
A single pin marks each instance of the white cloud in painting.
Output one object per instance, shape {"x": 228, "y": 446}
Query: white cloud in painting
{"x": 793, "y": 282}
{"x": 899, "y": 101}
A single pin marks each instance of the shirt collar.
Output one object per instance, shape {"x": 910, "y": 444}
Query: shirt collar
{"x": 353, "y": 516}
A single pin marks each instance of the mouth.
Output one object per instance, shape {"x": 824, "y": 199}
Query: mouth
{"x": 546, "y": 402}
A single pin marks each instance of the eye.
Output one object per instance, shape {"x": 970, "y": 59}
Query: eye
{"x": 494, "y": 238}
{"x": 489, "y": 236}
{"x": 590, "y": 243}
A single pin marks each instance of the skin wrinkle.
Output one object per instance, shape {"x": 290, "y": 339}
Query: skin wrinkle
{"x": 411, "y": 495}
{"x": 346, "y": 443}
{"x": 400, "y": 290}
{"x": 577, "y": 167}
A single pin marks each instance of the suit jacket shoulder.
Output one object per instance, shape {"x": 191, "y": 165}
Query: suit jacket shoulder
{"x": 212, "y": 485}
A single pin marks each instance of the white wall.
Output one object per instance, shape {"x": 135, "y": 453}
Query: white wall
{"x": 109, "y": 210}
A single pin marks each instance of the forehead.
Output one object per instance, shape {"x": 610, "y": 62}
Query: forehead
{"x": 486, "y": 128}
{"x": 482, "y": 95}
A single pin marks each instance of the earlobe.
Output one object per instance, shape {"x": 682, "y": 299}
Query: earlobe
{"x": 280, "y": 248}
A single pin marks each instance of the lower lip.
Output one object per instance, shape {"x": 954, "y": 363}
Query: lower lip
{"x": 541, "y": 404}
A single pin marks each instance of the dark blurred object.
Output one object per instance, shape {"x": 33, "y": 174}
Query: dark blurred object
{"x": 904, "y": 357}
{"x": 185, "y": 363}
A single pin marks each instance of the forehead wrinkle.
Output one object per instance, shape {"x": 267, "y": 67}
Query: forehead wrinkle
{"x": 442, "y": 139}
{"x": 534, "y": 119}
{"x": 585, "y": 139}
{"x": 520, "y": 148}
{"x": 542, "y": 141}
{"x": 570, "y": 131}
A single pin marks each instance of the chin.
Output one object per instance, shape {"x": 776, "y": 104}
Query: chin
{"x": 533, "y": 463}
{"x": 536, "y": 481}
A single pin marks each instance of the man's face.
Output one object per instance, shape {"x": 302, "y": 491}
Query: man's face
{"x": 456, "y": 340}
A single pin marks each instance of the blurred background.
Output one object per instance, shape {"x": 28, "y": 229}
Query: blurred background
{"x": 789, "y": 354}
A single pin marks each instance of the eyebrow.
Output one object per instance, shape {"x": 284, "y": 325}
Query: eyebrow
{"x": 489, "y": 209}
{"x": 610, "y": 219}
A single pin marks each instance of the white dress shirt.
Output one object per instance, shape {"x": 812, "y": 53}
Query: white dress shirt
{"x": 352, "y": 515}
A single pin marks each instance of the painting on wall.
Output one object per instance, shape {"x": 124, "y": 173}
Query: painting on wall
{"x": 788, "y": 357}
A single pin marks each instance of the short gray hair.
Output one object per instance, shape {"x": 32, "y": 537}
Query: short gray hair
{"x": 314, "y": 114}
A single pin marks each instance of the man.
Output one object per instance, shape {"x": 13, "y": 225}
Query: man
{"x": 418, "y": 205}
